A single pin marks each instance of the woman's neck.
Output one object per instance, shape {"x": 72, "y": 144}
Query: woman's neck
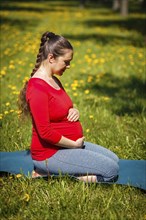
{"x": 44, "y": 71}
{"x": 46, "y": 75}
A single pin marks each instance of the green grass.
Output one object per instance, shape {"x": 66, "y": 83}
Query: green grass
{"x": 107, "y": 84}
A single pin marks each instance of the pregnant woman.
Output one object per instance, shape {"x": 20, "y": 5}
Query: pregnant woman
{"x": 58, "y": 145}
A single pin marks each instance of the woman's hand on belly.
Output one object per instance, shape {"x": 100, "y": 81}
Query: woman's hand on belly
{"x": 73, "y": 115}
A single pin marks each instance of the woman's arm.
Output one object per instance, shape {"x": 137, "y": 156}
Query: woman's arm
{"x": 38, "y": 99}
{"x": 67, "y": 143}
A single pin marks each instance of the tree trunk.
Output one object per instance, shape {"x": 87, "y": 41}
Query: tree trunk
{"x": 116, "y": 5}
{"x": 124, "y": 7}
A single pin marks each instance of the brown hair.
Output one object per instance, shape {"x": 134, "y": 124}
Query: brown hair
{"x": 50, "y": 43}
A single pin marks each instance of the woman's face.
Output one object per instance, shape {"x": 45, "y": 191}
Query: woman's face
{"x": 61, "y": 63}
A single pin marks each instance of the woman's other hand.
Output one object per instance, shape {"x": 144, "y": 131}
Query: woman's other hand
{"x": 80, "y": 142}
{"x": 73, "y": 115}
{"x": 68, "y": 143}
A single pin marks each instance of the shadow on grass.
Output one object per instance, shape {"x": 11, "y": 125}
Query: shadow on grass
{"x": 138, "y": 24}
{"x": 127, "y": 95}
{"x": 41, "y": 6}
{"x": 19, "y": 23}
{"x": 31, "y": 8}
{"x": 104, "y": 39}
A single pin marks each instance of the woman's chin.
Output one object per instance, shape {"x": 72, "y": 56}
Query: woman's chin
{"x": 61, "y": 72}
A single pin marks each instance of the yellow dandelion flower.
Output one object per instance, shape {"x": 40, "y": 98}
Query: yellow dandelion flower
{"x": 19, "y": 175}
{"x": 11, "y": 66}
{"x": 15, "y": 92}
{"x": 102, "y": 60}
{"x": 89, "y": 60}
{"x": 31, "y": 64}
{"x": 10, "y": 177}
{"x": 7, "y": 103}
{"x": 96, "y": 61}
{"x": 76, "y": 81}
{"x": 3, "y": 72}
{"x": 140, "y": 55}
{"x": 89, "y": 79}
{"x": 87, "y": 130}
{"x": 12, "y": 110}
{"x": 25, "y": 79}
{"x": 105, "y": 98}
{"x": 74, "y": 88}
{"x": 86, "y": 91}
{"x": 75, "y": 94}
{"x": 26, "y": 197}
{"x": 81, "y": 81}
{"x": 6, "y": 112}
{"x": 13, "y": 87}
{"x": 90, "y": 116}
{"x": 86, "y": 56}
{"x": 18, "y": 112}
{"x": 20, "y": 62}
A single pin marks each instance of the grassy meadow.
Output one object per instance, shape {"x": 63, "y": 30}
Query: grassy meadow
{"x": 107, "y": 82}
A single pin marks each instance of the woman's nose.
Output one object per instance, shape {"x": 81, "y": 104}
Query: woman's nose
{"x": 68, "y": 66}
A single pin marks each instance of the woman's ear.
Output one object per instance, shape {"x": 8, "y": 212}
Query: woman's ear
{"x": 51, "y": 58}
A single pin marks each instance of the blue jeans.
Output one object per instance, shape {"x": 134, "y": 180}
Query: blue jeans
{"x": 91, "y": 160}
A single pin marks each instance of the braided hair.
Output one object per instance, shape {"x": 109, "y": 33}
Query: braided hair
{"x": 50, "y": 43}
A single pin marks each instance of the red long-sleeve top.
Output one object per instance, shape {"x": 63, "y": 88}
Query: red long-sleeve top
{"x": 49, "y": 109}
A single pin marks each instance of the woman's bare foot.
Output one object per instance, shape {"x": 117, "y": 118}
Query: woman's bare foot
{"x": 35, "y": 174}
{"x": 88, "y": 179}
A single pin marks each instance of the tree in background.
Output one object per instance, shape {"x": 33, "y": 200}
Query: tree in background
{"x": 121, "y": 5}
{"x": 117, "y": 5}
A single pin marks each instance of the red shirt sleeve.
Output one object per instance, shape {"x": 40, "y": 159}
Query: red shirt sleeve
{"x": 38, "y": 100}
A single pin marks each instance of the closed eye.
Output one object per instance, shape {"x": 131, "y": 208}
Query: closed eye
{"x": 67, "y": 62}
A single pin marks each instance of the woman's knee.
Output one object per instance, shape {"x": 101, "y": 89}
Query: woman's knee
{"x": 112, "y": 172}
{"x": 102, "y": 150}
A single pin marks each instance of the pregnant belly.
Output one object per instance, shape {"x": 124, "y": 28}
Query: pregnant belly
{"x": 71, "y": 130}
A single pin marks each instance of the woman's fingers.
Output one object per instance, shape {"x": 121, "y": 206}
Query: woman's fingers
{"x": 73, "y": 115}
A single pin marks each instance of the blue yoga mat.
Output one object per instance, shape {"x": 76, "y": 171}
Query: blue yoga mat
{"x": 132, "y": 172}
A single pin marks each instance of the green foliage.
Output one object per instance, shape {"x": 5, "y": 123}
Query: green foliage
{"x": 107, "y": 84}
